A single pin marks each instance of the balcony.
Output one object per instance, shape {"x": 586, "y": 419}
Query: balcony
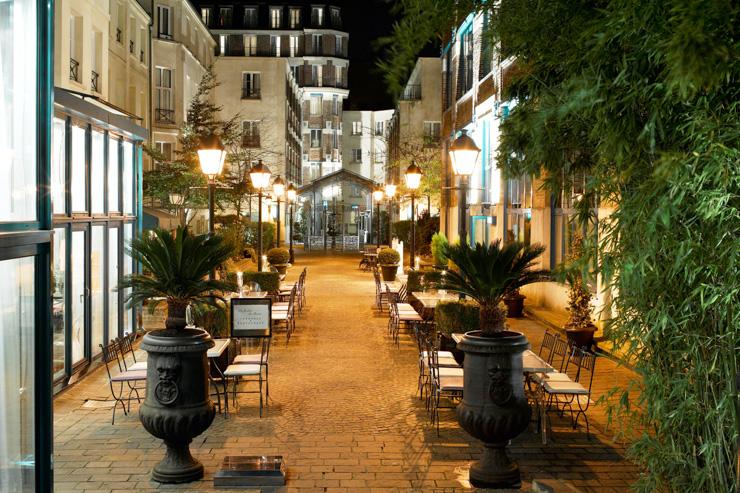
{"x": 411, "y": 92}
{"x": 74, "y": 70}
{"x": 131, "y": 47}
{"x": 164, "y": 116}
{"x": 119, "y": 35}
{"x": 95, "y": 81}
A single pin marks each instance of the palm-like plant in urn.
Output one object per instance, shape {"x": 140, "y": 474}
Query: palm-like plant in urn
{"x": 177, "y": 405}
{"x": 494, "y": 408}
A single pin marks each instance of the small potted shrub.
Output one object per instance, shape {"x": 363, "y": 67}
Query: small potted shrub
{"x": 439, "y": 243}
{"x": 388, "y": 260}
{"x": 514, "y": 302}
{"x": 279, "y": 257}
{"x": 579, "y": 328}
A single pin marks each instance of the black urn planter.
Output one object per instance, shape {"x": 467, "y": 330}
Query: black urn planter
{"x": 582, "y": 337}
{"x": 494, "y": 408}
{"x": 514, "y": 305}
{"x": 178, "y": 406}
{"x": 389, "y": 272}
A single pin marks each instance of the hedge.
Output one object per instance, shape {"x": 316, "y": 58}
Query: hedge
{"x": 456, "y": 316}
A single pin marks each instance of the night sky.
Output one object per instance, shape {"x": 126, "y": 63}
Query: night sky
{"x": 366, "y": 21}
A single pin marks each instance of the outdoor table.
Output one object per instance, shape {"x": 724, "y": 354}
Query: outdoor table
{"x": 429, "y": 300}
{"x": 216, "y": 352}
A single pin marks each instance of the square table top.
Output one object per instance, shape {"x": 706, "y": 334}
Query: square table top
{"x": 219, "y": 348}
{"x": 430, "y": 300}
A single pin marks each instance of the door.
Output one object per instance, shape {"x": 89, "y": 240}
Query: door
{"x": 79, "y": 325}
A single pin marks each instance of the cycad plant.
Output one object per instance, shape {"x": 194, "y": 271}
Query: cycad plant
{"x": 176, "y": 269}
{"x": 486, "y": 273}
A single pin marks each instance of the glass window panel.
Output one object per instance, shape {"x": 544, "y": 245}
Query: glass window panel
{"x": 78, "y": 296}
{"x": 18, "y": 110}
{"x": 58, "y": 166}
{"x": 112, "y": 283}
{"x": 128, "y": 178}
{"x": 79, "y": 188}
{"x": 128, "y": 313}
{"x": 17, "y": 310}
{"x": 97, "y": 287}
{"x": 97, "y": 173}
{"x": 114, "y": 200}
{"x": 59, "y": 271}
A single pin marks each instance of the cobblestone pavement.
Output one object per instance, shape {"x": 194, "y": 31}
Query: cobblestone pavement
{"x": 343, "y": 412}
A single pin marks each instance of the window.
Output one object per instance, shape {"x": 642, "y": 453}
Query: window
{"x": 276, "y": 17}
{"x": 431, "y": 133}
{"x": 250, "y": 85}
{"x": 379, "y": 128}
{"x": 58, "y": 166}
{"x": 224, "y": 17}
{"x": 519, "y": 209}
{"x": 356, "y": 155}
{"x": 250, "y": 16}
{"x": 79, "y": 171}
{"x": 336, "y": 19}
{"x": 315, "y": 138}
{"x": 164, "y": 22}
{"x": 128, "y": 268}
{"x": 296, "y": 70}
{"x": 132, "y": 36}
{"x": 319, "y": 75}
{"x": 295, "y": 18}
{"x": 127, "y": 178}
{"x": 486, "y": 50}
{"x": 317, "y": 16}
{"x": 251, "y": 133}
{"x": 465, "y": 64}
{"x": 335, "y": 104}
{"x": 58, "y": 269}
{"x": 315, "y": 104}
{"x": 164, "y": 111}
{"x": 316, "y": 43}
{"x": 250, "y": 45}
{"x": 97, "y": 288}
{"x": 97, "y": 173}
{"x": 564, "y": 224}
{"x": 275, "y": 45}
{"x": 96, "y": 60}
{"x": 293, "y": 46}
{"x": 356, "y": 128}
{"x": 78, "y": 253}
{"x": 205, "y": 15}
{"x": 114, "y": 171}
{"x": 222, "y": 44}
{"x": 338, "y": 46}
{"x": 113, "y": 282}
{"x": 338, "y": 80}
{"x": 165, "y": 149}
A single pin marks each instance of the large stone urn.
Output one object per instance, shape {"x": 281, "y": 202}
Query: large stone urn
{"x": 178, "y": 406}
{"x": 494, "y": 408}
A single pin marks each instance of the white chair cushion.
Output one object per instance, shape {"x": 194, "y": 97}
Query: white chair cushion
{"x": 451, "y": 383}
{"x": 129, "y": 376}
{"x": 410, "y": 317}
{"x": 440, "y": 354}
{"x": 242, "y": 370}
{"x": 555, "y": 376}
{"x": 567, "y": 387}
{"x": 280, "y": 315}
{"x": 139, "y": 365}
{"x": 445, "y": 371}
{"x": 246, "y": 359}
{"x": 405, "y": 306}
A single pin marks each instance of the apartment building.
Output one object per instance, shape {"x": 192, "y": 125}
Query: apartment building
{"x": 311, "y": 39}
{"x": 365, "y": 142}
{"x": 182, "y": 51}
{"x": 514, "y": 208}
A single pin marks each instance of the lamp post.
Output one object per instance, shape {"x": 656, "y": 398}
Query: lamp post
{"x": 390, "y": 192}
{"x": 211, "y": 155}
{"x": 260, "y": 177}
{"x": 291, "y": 196}
{"x": 278, "y": 190}
{"x": 178, "y": 199}
{"x": 378, "y": 196}
{"x": 413, "y": 180}
{"x": 464, "y": 155}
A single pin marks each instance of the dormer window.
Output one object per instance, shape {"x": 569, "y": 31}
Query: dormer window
{"x": 250, "y": 16}
{"x": 205, "y": 15}
{"x": 317, "y": 16}
{"x": 276, "y": 17}
{"x": 295, "y": 18}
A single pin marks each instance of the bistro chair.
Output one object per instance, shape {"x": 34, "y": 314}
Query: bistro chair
{"x": 405, "y": 315}
{"x": 126, "y": 346}
{"x": 121, "y": 376}
{"x": 245, "y": 373}
{"x": 381, "y": 296}
{"x": 285, "y": 314}
{"x": 446, "y": 383}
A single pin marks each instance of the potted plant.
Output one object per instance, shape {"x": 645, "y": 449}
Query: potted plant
{"x": 439, "y": 243}
{"x": 494, "y": 408}
{"x": 178, "y": 406}
{"x": 514, "y": 302}
{"x": 388, "y": 260}
{"x": 579, "y": 328}
{"x": 279, "y": 257}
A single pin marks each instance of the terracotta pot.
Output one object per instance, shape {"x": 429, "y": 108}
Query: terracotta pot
{"x": 582, "y": 337}
{"x": 514, "y": 305}
{"x": 494, "y": 408}
{"x": 281, "y": 268}
{"x": 389, "y": 272}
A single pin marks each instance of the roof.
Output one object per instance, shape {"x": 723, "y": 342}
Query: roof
{"x": 342, "y": 175}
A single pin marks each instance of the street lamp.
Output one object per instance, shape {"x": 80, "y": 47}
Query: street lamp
{"x": 464, "y": 155}
{"x": 260, "y": 177}
{"x": 177, "y": 199}
{"x": 390, "y": 192}
{"x": 211, "y": 155}
{"x": 413, "y": 180}
{"x": 291, "y": 196}
{"x": 278, "y": 190}
{"x": 378, "y": 196}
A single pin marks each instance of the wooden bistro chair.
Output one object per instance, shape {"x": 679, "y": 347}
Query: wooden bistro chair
{"x": 117, "y": 376}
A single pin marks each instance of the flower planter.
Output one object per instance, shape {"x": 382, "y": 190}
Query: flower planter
{"x": 389, "y": 272}
{"x": 582, "y": 337}
{"x": 494, "y": 408}
{"x": 514, "y": 305}
{"x": 178, "y": 406}
{"x": 281, "y": 268}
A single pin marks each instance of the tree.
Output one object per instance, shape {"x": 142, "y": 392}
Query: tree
{"x": 643, "y": 96}
{"x": 429, "y": 159}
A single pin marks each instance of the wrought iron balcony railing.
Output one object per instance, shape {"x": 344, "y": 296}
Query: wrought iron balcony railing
{"x": 162, "y": 115}
{"x": 74, "y": 70}
{"x": 95, "y": 81}
{"x": 411, "y": 92}
{"x": 250, "y": 93}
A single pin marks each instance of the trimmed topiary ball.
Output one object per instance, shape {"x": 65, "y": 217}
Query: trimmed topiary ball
{"x": 388, "y": 256}
{"x": 278, "y": 256}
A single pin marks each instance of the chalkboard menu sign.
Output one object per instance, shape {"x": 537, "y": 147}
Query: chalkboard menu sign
{"x": 251, "y": 317}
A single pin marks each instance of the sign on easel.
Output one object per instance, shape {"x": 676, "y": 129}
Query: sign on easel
{"x": 251, "y": 317}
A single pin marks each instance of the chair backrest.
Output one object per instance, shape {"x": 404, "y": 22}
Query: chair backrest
{"x": 580, "y": 367}
{"x": 110, "y": 355}
{"x": 402, "y": 294}
{"x": 547, "y": 346}
{"x": 559, "y": 354}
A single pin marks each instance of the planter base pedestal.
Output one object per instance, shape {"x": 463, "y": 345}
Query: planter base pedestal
{"x": 178, "y": 465}
{"x": 495, "y": 469}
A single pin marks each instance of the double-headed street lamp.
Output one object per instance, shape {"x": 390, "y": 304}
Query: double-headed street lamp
{"x": 211, "y": 155}
{"x": 260, "y": 177}
{"x": 291, "y": 196}
{"x": 464, "y": 155}
{"x": 390, "y": 192}
{"x": 378, "y": 196}
{"x": 278, "y": 191}
{"x": 413, "y": 180}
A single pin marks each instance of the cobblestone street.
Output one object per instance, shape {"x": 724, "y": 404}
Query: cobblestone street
{"x": 343, "y": 412}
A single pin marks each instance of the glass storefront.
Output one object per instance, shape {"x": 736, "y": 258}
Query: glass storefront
{"x": 519, "y": 209}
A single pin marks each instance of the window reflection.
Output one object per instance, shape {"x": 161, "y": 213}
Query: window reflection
{"x": 97, "y": 287}
{"x": 58, "y": 166}
{"x": 112, "y": 283}
{"x": 78, "y": 296}
{"x": 58, "y": 280}
{"x": 79, "y": 188}
{"x": 97, "y": 172}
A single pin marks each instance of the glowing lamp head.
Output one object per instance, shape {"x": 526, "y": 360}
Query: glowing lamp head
{"x": 464, "y": 155}
{"x": 211, "y": 155}
{"x": 390, "y": 189}
{"x": 260, "y": 176}
{"x": 291, "y": 193}
{"x": 413, "y": 176}
{"x": 177, "y": 199}
{"x": 378, "y": 193}
{"x": 278, "y": 187}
